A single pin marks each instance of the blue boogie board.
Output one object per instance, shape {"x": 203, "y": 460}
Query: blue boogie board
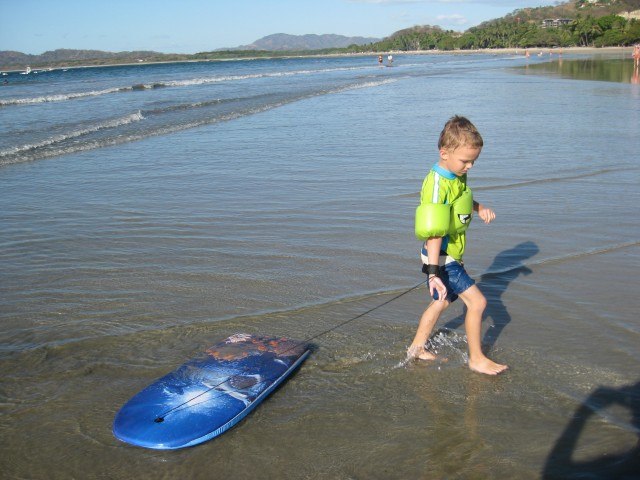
{"x": 207, "y": 396}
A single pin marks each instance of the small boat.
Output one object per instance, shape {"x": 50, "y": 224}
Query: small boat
{"x": 26, "y": 72}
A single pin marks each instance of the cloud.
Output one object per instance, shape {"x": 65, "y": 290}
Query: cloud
{"x": 408, "y": 2}
{"x": 391, "y": 2}
{"x": 454, "y": 19}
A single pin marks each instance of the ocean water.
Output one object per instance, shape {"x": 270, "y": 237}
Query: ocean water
{"x": 149, "y": 211}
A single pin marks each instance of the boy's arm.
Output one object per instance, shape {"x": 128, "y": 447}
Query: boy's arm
{"x": 434, "y": 244}
{"x": 486, "y": 214}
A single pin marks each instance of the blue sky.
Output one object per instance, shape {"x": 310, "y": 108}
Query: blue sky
{"x": 190, "y": 26}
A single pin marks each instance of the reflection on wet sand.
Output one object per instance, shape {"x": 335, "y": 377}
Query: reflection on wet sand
{"x": 609, "y": 70}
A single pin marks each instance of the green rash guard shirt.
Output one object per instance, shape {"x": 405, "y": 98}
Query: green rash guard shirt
{"x": 442, "y": 186}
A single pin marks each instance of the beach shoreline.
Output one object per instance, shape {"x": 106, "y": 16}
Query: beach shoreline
{"x": 555, "y": 50}
{"x": 486, "y": 51}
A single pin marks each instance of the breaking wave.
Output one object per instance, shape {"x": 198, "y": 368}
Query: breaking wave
{"x": 169, "y": 84}
{"x": 114, "y": 123}
{"x": 162, "y": 121}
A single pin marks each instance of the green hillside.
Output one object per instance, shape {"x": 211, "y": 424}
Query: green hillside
{"x": 597, "y": 23}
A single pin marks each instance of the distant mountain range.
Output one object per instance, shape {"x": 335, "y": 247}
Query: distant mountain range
{"x": 283, "y": 42}
{"x": 8, "y": 58}
{"x": 278, "y": 42}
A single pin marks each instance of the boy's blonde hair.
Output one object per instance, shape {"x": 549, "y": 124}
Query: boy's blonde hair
{"x": 459, "y": 132}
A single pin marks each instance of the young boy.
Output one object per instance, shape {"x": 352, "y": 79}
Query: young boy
{"x": 444, "y": 214}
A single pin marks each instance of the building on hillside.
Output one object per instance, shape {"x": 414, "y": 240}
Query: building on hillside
{"x": 584, "y": 3}
{"x": 555, "y": 22}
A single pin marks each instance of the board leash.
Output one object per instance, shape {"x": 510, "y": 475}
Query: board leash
{"x": 335, "y": 327}
{"x": 160, "y": 418}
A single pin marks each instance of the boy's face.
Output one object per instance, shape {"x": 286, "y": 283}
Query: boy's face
{"x": 458, "y": 161}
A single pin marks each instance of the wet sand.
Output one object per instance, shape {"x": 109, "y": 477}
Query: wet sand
{"x": 120, "y": 263}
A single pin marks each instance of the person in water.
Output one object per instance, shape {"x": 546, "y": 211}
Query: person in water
{"x": 446, "y": 208}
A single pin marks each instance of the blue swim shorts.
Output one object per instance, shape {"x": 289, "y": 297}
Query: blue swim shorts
{"x": 456, "y": 279}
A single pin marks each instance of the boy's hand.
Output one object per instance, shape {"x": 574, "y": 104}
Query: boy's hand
{"x": 486, "y": 214}
{"x": 436, "y": 285}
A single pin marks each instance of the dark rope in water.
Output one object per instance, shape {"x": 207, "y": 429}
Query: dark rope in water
{"x": 161, "y": 418}
{"x": 335, "y": 327}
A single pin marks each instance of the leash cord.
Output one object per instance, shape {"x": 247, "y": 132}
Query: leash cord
{"x": 161, "y": 417}
{"x": 335, "y": 327}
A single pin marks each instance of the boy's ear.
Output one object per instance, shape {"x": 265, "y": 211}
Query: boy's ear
{"x": 444, "y": 154}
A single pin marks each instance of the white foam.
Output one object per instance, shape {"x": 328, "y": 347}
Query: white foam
{"x": 57, "y": 98}
{"x": 59, "y": 145}
{"x": 174, "y": 83}
{"x": 117, "y": 122}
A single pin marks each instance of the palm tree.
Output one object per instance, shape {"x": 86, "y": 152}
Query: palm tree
{"x": 587, "y": 29}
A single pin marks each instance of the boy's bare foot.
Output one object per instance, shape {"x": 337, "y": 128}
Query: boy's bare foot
{"x": 486, "y": 366}
{"x": 420, "y": 353}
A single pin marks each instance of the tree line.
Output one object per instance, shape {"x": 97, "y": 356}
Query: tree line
{"x": 583, "y": 30}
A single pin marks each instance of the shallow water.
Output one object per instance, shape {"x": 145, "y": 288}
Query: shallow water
{"x": 292, "y": 214}
{"x": 609, "y": 69}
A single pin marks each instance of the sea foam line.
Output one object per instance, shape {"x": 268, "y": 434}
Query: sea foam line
{"x": 10, "y": 156}
{"x": 117, "y": 122}
{"x": 524, "y": 183}
{"x": 563, "y": 258}
{"x": 168, "y": 84}
{"x": 544, "y": 180}
{"x": 58, "y": 98}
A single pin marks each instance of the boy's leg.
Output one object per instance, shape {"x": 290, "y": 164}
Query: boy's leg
{"x": 427, "y": 322}
{"x": 476, "y": 303}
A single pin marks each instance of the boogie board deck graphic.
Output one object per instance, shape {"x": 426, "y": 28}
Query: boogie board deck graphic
{"x": 207, "y": 396}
